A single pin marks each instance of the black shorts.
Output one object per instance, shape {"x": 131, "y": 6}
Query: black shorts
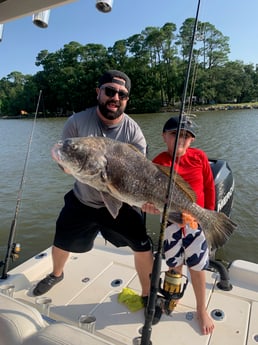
{"x": 78, "y": 225}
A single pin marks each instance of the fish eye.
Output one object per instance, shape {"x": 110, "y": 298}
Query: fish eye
{"x": 74, "y": 147}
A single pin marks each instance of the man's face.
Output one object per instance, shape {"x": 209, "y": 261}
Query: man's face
{"x": 112, "y": 99}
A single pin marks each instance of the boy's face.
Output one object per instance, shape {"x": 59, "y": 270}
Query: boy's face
{"x": 185, "y": 140}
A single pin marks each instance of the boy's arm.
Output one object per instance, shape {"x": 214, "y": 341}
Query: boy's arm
{"x": 186, "y": 218}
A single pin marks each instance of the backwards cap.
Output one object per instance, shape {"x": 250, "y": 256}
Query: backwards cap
{"x": 172, "y": 125}
{"x": 109, "y": 77}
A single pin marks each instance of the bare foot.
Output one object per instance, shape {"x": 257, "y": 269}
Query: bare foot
{"x": 205, "y": 322}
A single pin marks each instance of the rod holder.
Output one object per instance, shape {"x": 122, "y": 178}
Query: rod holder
{"x": 104, "y": 6}
{"x": 1, "y": 32}
{"x": 41, "y": 19}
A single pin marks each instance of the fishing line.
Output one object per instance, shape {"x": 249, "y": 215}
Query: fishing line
{"x": 200, "y": 36}
{"x": 181, "y": 115}
{"x": 10, "y": 247}
{"x": 155, "y": 276}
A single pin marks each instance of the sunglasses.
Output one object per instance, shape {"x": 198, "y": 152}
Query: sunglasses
{"x": 111, "y": 92}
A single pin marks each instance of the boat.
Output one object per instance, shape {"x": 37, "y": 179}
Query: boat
{"x": 92, "y": 284}
{"x": 86, "y": 308}
{"x": 94, "y": 281}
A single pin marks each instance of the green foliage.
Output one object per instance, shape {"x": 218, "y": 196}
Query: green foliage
{"x": 156, "y": 61}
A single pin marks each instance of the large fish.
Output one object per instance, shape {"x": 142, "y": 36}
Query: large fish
{"x": 122, "y": 174}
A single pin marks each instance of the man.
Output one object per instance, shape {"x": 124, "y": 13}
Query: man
{"x": 84, "y": 213}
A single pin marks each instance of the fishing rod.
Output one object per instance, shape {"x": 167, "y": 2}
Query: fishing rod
{"x": 155, "y": 276}
{"x": 13, "y": 249}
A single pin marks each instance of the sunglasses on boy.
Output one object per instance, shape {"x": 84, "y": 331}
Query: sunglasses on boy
{"x": 111, "y": 92}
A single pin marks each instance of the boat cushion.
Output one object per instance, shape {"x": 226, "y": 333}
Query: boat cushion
{"x": 64, "y": 334}
{"x": 17, "y": 321}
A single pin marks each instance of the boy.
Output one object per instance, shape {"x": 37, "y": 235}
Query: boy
{"x": 184, "y": 244}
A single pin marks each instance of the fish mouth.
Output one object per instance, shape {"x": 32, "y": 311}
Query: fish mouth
{"x": 56, "y": 152}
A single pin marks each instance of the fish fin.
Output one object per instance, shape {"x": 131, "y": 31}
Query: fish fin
{"x": 181, "y": 183}
{"x": 112, "y": 204}
{"x": 217, "y": 228}
{"x": 164, "y": 169}
{"x": 175, "y": 217}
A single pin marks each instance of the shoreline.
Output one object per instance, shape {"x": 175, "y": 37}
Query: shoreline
{"x": 171, "y": 109}
{"x": 215, "y": 107}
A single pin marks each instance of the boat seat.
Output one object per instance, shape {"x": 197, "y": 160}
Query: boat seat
{"x": 22, "y": 324}
{"x": 17, "y": 321}
{"x": 64, "y": 334}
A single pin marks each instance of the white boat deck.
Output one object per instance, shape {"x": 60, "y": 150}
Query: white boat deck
{"x": 93, "y": 281}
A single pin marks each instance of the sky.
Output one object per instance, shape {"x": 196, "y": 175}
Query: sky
{"x": 81, "y": 22}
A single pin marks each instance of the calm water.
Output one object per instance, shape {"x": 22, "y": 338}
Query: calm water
{"x": 230, "y": 135}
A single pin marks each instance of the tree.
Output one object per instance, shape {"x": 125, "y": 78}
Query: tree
{"x": 156, "y": 61}
{"x": 211, "y": 47}
{"x": 215, "y": 46}
{"x": 236, "y": 83}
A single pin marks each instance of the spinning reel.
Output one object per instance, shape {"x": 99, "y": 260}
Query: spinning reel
{"x": 172, "y": 290}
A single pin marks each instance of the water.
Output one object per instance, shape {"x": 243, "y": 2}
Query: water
{"x": 230, "y": 135}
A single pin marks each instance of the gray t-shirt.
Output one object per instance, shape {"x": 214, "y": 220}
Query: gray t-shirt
{"x": 87, "y": 123}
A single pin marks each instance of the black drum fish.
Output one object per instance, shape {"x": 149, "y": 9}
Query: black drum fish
{"x": 123, "y": 174}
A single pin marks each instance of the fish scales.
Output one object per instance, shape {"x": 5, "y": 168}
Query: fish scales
{"x": 123, "y": 174}
{"x": 136, "y": 179}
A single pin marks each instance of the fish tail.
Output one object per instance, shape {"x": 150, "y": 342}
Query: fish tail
{"x": 217, "y": 228}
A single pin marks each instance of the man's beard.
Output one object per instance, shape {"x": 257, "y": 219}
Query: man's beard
{"x": 108, "y": 114}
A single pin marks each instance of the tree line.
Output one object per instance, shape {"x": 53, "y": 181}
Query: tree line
{"x": 156, "y": 61}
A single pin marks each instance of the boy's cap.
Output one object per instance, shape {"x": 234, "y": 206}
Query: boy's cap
{"x": 172, "y": 125}
{"x": 108, "y": 77}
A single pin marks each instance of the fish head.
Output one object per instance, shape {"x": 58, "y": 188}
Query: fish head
{"x": 83, "y": 158}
